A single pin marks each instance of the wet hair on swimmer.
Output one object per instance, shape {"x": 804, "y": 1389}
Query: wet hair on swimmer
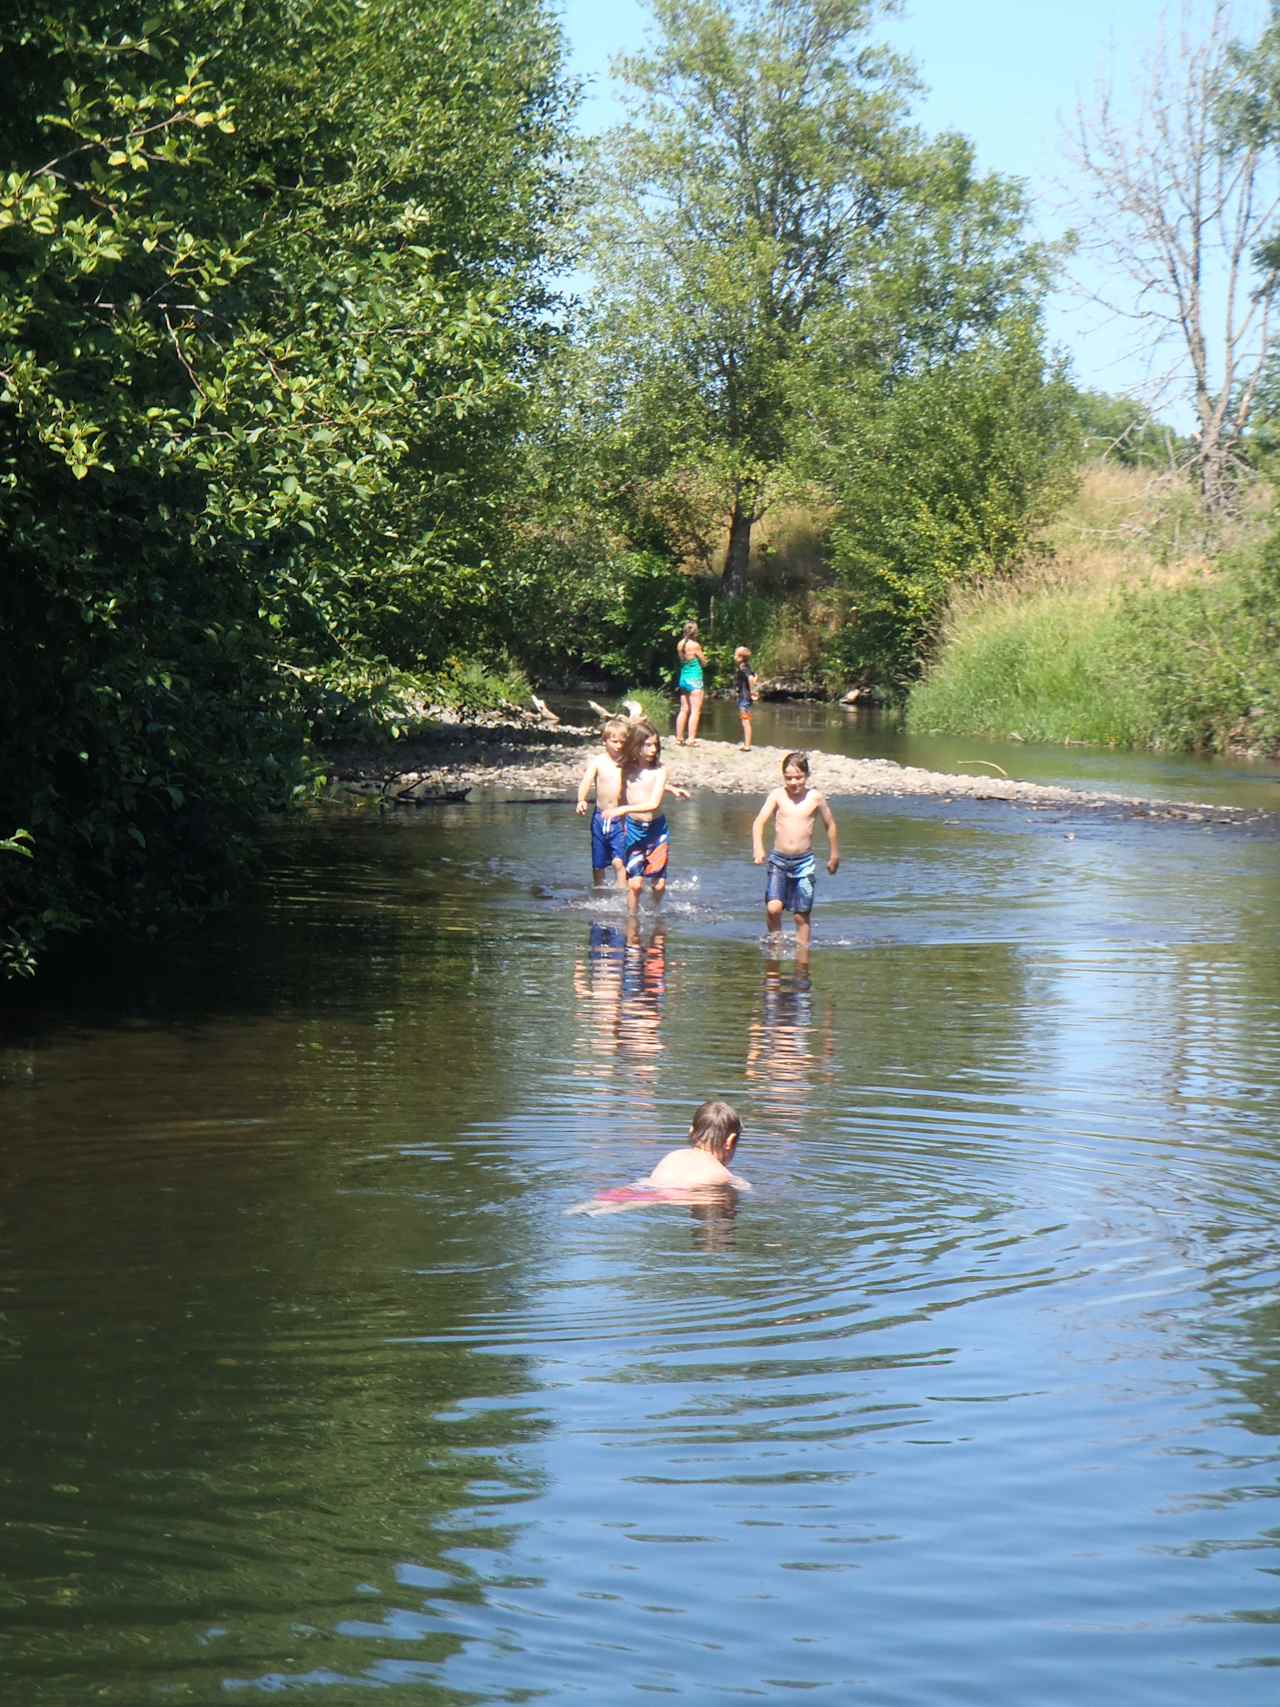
{"x": 799, "y": 760}
{"x": 713, "y": 1128}
{"x": 637, "y": 734}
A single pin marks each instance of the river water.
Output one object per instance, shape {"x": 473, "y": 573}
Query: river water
{"x": 312, "y": 1387}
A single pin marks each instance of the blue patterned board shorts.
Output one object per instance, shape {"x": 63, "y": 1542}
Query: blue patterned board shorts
{"x": 607, "y": 845}
{"x": 647, "y": 848}
{"x": 790, "y": 880}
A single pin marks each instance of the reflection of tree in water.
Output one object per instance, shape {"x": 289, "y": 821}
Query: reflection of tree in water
{"x": 254, "y": 1258}
{"x": 785, "y": 1055}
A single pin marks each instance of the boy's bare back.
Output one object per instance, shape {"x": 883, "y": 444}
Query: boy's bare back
{"x": 686, "y": 1169}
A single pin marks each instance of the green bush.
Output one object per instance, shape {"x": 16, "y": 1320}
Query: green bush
{"x": 1192, "y": 665}
{"x": 952, "y": 476}
{"x": 1043, "y": 668}
{"x": 1204, "y": 656}
{"x": 658, "y": 707}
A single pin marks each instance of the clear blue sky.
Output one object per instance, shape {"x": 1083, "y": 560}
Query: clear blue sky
{"x": 1006, "y": 73}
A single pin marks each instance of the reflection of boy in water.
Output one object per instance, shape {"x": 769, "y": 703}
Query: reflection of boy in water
{"x": 780, "y": 1050}
{"x": 598, "y": 982}
{"x": 644, "y": 985}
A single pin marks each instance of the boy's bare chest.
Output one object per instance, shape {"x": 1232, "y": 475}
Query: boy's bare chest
{"x": 796, "y": 812}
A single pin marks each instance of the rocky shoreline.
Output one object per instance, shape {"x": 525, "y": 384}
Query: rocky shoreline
{"x": 512, "y": 760}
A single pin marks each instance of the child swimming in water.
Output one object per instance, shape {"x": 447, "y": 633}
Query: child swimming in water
{"x": 696, "y": 1166}
{"x": 791, "y": 864}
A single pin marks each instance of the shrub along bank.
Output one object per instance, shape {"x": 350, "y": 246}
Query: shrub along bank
{"x": 1142, "y": 648}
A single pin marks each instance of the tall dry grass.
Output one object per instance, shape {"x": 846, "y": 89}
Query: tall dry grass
{"x": 1101, "y": 638}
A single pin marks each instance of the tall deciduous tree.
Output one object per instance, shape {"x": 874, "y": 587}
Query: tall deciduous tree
{"x": 765, "y": 153}
{"x": 1184, "y": 195}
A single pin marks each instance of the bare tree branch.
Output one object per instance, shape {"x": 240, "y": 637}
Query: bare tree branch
{"x": 1180, "y": 204}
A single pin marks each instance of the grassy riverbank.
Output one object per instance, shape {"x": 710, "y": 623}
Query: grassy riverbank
{"x": 1126, "y": 634}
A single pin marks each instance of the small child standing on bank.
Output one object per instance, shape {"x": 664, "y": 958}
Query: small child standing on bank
{"x": 701, "y": 1163}
{"x": 789, "y": 883}
{"x": 648, "y": 837}
{"x": 748, "y": 693}
{"x": 604, "y": 775}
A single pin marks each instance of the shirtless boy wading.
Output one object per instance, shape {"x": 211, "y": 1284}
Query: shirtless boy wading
{"x": 791, "y": 864}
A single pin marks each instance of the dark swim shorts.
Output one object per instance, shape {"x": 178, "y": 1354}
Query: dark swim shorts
{"x": 607, "y": 845}
{"x": 790, "y": 880}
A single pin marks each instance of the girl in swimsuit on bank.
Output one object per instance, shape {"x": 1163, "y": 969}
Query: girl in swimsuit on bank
{"x": 692, "y": 658}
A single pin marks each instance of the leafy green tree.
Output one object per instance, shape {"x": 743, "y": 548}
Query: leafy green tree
{"x": 263, "y": 347}
{"x": 766, "y": 154}
{"x": 945, "y": 478}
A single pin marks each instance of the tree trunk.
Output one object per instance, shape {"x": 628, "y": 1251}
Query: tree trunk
{"x": 1215, "y": 483}
{"x": 733, "y": 583}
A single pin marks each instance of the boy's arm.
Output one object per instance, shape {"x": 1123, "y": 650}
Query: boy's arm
{"x": 753, "y": 685}
{"x": 584, "y": 787}
{"x": 833, "y": 836}
{"x": 762, "y": 817}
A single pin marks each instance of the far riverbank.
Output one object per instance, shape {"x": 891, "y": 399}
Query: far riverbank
{"x": 512, "y": 759}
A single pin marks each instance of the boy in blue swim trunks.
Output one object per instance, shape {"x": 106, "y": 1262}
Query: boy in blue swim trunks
{"x": 604, "y": 774}
{"x": 644, "y": 783}
{"x": 791, "y": 864}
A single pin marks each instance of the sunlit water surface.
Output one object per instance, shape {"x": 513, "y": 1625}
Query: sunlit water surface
{"x": 312, "y": 1387}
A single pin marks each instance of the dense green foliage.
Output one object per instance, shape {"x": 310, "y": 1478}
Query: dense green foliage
{"x": 270, "y": 288}
{"x": 950, "y": 475}
{"x": 1187, "y": 665}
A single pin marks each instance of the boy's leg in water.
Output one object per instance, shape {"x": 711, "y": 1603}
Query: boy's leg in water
{"x": 659, "y": 888}
{"x": 802, "y": 930}
{"x": 634, "y": 886}
{"x": 598, "y": 874}
{"x": 773, "y": 917}
{"x": 619, "y": 874}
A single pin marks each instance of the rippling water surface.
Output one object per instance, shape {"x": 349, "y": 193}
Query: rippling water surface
{"x": 312, "y": 1387}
